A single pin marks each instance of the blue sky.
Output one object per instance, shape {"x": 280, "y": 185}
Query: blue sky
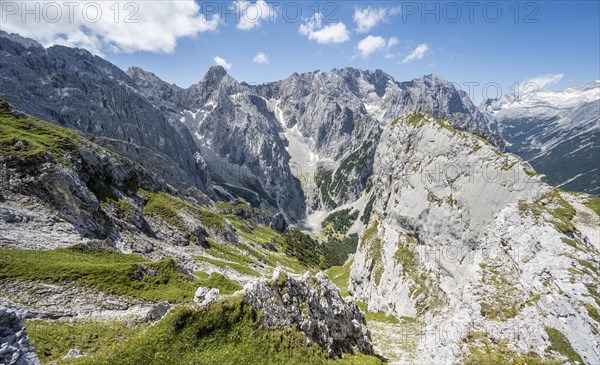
{"x": 557, "y": 40}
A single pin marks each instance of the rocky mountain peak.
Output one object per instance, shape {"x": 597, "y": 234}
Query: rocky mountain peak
{"x": 215, "y": 74}
{"x": 140, "y": 74}
{"x": 25, "y": 42}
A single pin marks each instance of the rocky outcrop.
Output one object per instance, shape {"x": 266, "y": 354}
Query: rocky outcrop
{"x": 463, "y": 236}
{"x": 14, "y": 342}
{"x": 74, "y": 180}
{"x": 205, "y": 296}
{"x": 59, "y": 189}
{"x": 312, "y": 305}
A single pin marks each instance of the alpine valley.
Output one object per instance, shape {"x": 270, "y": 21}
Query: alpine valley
{"x": 338, "y": 217}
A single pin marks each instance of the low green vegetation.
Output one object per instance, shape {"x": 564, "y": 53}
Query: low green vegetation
{"x": 235, "y": 207}
{"x": 340, "y": 276}
{"x": 225, "y": 332}
{"x": 500, "y": 300}
{"x": 255, "y": 233}
{"x": 592, "y": 312}
{"x": 31, "y": 137}
{"x": 593, "y": 291}
{"x": 593, "y": 202}
{"x": 506, "y": 166}
{"x": 224, "y": 265}
{"x": 531, "y": 173}
{"x": 553, "y": 204}
{"x": 108, "y": 271}
{"x": 447, "y": 125}
{"x": 337, "y": 250}
{"x": 560, "y": 344}
{"x": 407, "y": 257}
{"x": 425, "y": 295}
{"x": 374, "y": 246}
{"x": 228, "y": 253}
{"x": 414, "y": 119}
{"x": 166, "y": 207}
{"x": 340, "y": 221}
{"x": 53, "y": 339}
{"x": 264, "y": 246}
{"x": 217, "y": 281}
{"x": 380, "y": 316}
{"x": 483, "y": 351}
{"x": 304, "y": 248}
{"x": 172, "y": 211}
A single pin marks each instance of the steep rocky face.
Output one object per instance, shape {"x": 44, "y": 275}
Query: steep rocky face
{"x": 60, "y": 189}
{"x": 72, "y": 88}
{"x": 314, "y": 306}
{"x": 330, "y": 133}
{"x": 558, "y": 132}
{"x": 336, "y": 117}
{"x": 463, "y": 235}
{"x": 14, "y": 343}
{"x": 306, "y": 140}
{"x": 238, "y": 135}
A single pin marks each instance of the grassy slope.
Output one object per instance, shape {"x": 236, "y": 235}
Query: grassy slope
{"x": 223, "y": 333}
{"x": 109, "y": 271}
{"x": 340, "y": 276}
{"x": 31, "y": 137}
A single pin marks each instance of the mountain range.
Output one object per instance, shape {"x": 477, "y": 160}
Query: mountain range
{"x": 556, "y": 131}
{"x": 194, "y": 223}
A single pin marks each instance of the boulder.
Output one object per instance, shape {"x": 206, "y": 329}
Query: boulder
{"x": 14, "y": 342}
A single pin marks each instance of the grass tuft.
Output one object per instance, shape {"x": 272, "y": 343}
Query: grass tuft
{"x": 560, "y": 344}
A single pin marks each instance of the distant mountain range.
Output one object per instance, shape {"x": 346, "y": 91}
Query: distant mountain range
{"x": 557, "y": 131}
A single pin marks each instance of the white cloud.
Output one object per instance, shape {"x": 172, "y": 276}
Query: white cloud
{"x": 392, "y": 42}
{"x": 542, "y": 81}
{"x": 372, "y": 44}
{"x": 220, "y": 61}
{"x": 333, "y": 33}
{"x": 418, "y": 53}
{"x": 534, "y": 84}
{"x": 96, "y": 25}
{"x": 250, "y": 14}
{"x": 368, "y": 18}
{"x": 261, "y": 58}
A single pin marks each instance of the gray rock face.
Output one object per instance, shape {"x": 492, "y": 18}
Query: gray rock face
{"x": 558, "y": 132}
{"x": 14, "y": 342}
{"x": 84, "y": 193}
{"x": 206, "y": 296}
{"x": 72, "y": 88}
{"x": 157, "y": 312}
{"x": 74, "y": 354}
{"x": 314, "y": 306}
{"x": 238, "y": 136}
{"x": 306, "y": 142}
{"x": 466, "y": 237}
{"x": 75, "y": 187}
